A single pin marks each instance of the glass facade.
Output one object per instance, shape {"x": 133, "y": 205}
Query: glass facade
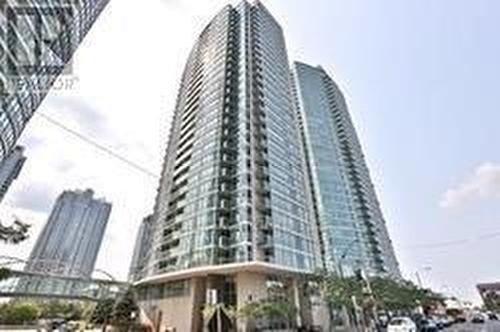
{"x": 353, "y": 231}
{"x": 10, "y": 169}
{"x": 37, "y": 40}
{"x": 141, "y": 249}
{"x": 233, "y": 188}
{"x": 70, "y": 240}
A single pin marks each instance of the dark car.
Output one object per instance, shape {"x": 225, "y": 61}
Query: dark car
{"x": 427, "y": 325}
{"x": 440, "y": 322}
{"x": 57, "y": 323}
{"x": 478, "y": 319}
{"x": 493, "y": 316}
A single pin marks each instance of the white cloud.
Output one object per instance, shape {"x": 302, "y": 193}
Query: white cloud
{"x": 483, "y": 184}
{"x": 75, "y": 109}
{"x": 37, "y": 197}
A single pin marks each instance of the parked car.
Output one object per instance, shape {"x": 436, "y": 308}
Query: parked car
{"x": 460, "y": 319}
{"x": 492, "y": 316}
{"x": 428, "y": 325}
{"x": 54, "y": 323}
{"x": 401, "y": 324}
{"x": 440, "y": 322}
{"x": 443, "y": 321}
{"x": 383, "y": 320}
{"x": 449, "y": 321}
{"x": 478, "y": 319}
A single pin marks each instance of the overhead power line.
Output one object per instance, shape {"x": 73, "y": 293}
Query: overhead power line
{"x": 439, "y": 245}
{"x": 136, "y": 166}
{"x": 97, "y": 145}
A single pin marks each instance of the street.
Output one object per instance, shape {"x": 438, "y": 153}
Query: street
{"x": 489, "y": 326}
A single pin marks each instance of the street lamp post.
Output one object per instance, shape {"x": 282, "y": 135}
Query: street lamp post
{"x": 366, "y": 279}
{"x": 419, "y": 278}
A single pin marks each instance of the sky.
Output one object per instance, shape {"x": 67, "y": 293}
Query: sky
{"x": 421, "y": 78}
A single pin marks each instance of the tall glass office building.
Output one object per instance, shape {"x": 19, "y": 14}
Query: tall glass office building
{"x": 352, "y": 228}
{"x": 10, "y": 169}
{"x": 37, "y": 40}
{"x": 232, "y": 213}
{"x": 70, "y": 240}
{"x": 141, "y": 249}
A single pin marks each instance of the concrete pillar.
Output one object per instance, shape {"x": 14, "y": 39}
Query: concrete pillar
{"x": 180, "y": 312}
{"x": 250, "y": 287}
{"x": 297, "y": 300}
{"x": 198, "y": 294}
{"x": 320, "y": 313}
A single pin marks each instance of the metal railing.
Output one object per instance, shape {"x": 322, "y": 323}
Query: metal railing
{"x": 50, "y": 284}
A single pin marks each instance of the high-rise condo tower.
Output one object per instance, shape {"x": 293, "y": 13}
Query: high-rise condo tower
{"x": 233, "y": 218}
{"x": 70, "y": 240}
{"x": 353, "y": 231}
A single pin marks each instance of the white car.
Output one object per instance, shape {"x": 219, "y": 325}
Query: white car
{"x": 401, "y": 324}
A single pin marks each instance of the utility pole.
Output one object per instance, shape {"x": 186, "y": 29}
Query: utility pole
{"x": 419, "y": 280}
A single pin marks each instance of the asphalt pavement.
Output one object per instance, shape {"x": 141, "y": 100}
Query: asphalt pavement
{"x": 489, "y": 326}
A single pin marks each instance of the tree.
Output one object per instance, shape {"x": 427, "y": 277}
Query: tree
{"x": 4, "y": 273}
{"x": 388, "y": 294}
{"x": 61, "y": 309}
{"x": 339, "y": 292}
{"x": 18, "y": 313}
{"x": 14, "y": 234}
{"x": 395, "y": 295}
{"x": 102, "y": 312}
{"x": 269, "y": 311}
{"x": 492, "y": 301}
{"x": 73, "y": 311}
{"x": 125, "y": 309}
